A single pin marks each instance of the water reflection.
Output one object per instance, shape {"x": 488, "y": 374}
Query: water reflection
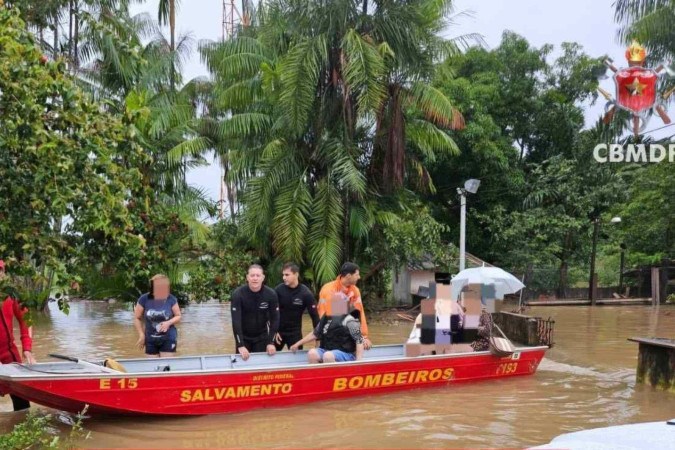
{"x": 587, "y": 380}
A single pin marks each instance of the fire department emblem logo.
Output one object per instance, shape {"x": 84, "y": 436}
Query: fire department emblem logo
{"x": 636, "y": 90}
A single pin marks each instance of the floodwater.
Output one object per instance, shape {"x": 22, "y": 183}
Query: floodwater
{"x": 586, "y": 381}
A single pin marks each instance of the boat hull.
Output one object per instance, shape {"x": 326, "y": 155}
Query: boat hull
{"x": 229, "y": 391}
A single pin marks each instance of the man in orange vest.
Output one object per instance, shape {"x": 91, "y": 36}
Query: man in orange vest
{"x": 345, "y": 284}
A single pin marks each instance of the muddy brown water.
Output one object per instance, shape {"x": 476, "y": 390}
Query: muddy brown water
{"x": 586, "y": 381}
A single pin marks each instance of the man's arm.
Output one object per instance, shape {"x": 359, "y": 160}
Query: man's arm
{"x": 305, "y": 340}
{"x": 359, "y": 352}
{"x": 26, "y": 332}
{"x": 364, "y": 325}
{"x": 235, "y": 310}
{"x": 310, "y": 305}
{"x": 355, "y": 332}
{"x": 273, "y": 316}
{"x": 321, "y": 303}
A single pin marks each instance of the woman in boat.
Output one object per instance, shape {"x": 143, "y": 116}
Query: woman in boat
{"x": 11, "y": 309}
{"x": 156, "y": 314}
{"x": 482, "y": 343}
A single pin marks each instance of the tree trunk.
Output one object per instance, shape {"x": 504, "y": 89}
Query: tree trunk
{"x": 562, "y": 279}
{"x": 55, "y": 49}
{"x": 76, "y": 56}
{"x": 70, "y": 31}
{"x": 172, "y": 44}
{"x": 374, "y": 270}
{"x": 346, "y": 236}
{"x": 393, "y": 171}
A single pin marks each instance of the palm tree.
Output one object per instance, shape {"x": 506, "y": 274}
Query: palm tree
{"x": 650, "y": 22}
{"x": 127, "y": 61}
{"x": 324, "y": 108}
{"x": 167, "y": 15}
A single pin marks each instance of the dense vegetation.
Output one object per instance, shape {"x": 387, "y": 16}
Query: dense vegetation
{"x": 344, "y": 129}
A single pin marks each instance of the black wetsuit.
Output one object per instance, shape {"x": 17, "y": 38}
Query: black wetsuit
{"x": 292, "y": 303}
{"x": 255, "y": 317}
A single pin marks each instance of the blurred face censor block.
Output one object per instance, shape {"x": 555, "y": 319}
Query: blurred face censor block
{"x": 443, "y": 291}
{"x": 428, "y": 307}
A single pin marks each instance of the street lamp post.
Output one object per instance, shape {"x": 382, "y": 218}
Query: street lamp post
{"x": 591, "y": 280}
{"x": 470, "y": 186}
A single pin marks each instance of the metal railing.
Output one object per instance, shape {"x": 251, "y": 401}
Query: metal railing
{"x": 545, "y": 331}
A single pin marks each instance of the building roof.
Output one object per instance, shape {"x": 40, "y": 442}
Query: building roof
{"x": 427, "y": 264}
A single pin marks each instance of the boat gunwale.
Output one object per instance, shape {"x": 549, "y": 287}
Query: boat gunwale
{"x": 237, "y": 371}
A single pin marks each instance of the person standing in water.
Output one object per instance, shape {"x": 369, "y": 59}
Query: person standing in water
{"x": 11, "y": 309}
{"x": 255, "y": 315}
{"x": 155, "y": 316}
{"x": 294, "y": 299}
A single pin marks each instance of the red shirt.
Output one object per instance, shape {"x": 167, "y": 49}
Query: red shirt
{"x": 10, "y": 309}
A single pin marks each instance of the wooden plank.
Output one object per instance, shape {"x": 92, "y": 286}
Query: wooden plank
{"x": 658, "y": 342}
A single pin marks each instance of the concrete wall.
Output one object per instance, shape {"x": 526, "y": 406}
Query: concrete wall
{"x": 401, "y": 283}
{"x": 656, "y": 366}
{"x": 519, "y": 328}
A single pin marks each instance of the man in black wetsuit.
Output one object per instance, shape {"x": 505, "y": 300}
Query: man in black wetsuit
{"x": 255, "y": 315}
{"x": 294, "y": 299}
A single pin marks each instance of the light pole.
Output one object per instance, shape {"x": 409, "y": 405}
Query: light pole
{"x": 591, "y": 279}
{"x": 470, "y": 186}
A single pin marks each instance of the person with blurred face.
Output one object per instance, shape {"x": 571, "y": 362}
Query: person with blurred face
{"x": 255, "y": 315}
{"x": 345, "y": 284}
{"x": 339, "y": 333}
{"x": 11, "y": 309}
{"x": 294, "y": 299}
{"x": 155, "y": 316}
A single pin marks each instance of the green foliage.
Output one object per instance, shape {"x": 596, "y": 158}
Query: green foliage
{"x": 648, "y": 21}
{"x": 60, "y": 159}
{"x": 40, "y": 430}
{"x": 318, "y": 97}
{"x": 648, "y": 216}
{"x": 413, "y": 236}
{"x": 222, "y": 268}
{"x": 524, "y": 141}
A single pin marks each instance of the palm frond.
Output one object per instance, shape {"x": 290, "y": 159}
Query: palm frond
{"x": 299, "y": 75}
{"x": 364, "y": 70}
{"x": 430, "y": 140}
{"x": 325, "y": 244}
{"x": 435, "y": 106}
{"x": 289, "y": 226}
{"x": 345, "y": 171}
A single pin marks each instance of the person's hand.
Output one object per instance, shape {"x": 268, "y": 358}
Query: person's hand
{"x": 28, "y": 356}
{"x": 295, "y": 347}
{"x": 243, "y": 351}
{"x": 367, "y": 344}
{"x": 271, "y": 349}
{"x": 140, "y": 343}
{"x": 277, "y": 339}
{"x": 164, "y": 327}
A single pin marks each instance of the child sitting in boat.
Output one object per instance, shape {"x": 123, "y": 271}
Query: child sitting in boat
{"x": 340, "y": 335}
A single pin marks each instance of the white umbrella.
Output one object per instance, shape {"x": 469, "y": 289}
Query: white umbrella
{"x": 504, "y": 282}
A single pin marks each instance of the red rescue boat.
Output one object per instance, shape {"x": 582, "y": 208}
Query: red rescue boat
{"x": 199, "y": 385}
